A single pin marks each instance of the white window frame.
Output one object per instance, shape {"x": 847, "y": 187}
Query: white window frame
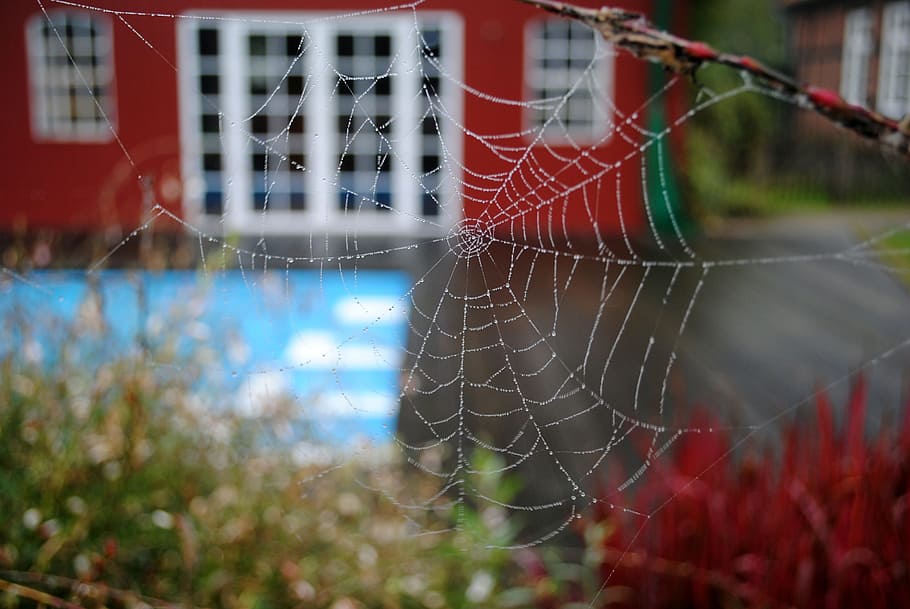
{"x": 71, "y": 101}
{"x": 894, "y": 66}
{"x": 857, "y": 53}
{"x": 550, "y": 90}
{"x": 322, "y": 214}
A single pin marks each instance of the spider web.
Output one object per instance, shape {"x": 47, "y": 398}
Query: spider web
{"x": 553, "y": 348}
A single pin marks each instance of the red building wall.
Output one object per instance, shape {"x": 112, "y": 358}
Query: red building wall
{"x": 97, "y": 186}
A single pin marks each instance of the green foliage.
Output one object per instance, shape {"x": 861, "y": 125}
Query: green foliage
{"x": 894, "y": 250}
{"x": 731, "y": 141}
{"x": 113, "y": 477}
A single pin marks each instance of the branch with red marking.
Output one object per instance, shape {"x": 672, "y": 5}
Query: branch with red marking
{"x": 633, "y": 32}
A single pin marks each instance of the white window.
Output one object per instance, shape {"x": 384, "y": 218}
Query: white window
{"x": 568, "y": 79}
{"x": 70, "y": 56}
{"x": 300, "y": 126}
{"x": 857, "y": 52}
{"x": 894, "y": 72}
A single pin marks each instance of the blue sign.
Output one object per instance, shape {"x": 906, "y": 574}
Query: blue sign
{"x": 332, "y": 341}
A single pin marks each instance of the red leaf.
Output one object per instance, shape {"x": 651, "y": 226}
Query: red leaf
{"x": 856, "y": 412}
{"x": 825, "y": 98}
{"x": 826, "y": 437}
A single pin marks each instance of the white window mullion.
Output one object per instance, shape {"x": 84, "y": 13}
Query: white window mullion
{"x": 894, "y": 68}
{"x": 558, "y": 70}
{"x": 451, "y": 137}
{"x": 238, "y": 212}
{"x": 56, "y": 114}
{"x": 320, "y": 127}
{"x": 190, "y": 116}
{"x": 856, "y": 54}
{"x": 385, "y": 162}
{"x": 405, "y": 130}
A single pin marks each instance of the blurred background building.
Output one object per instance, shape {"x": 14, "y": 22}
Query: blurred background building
{"x": 268, "y": 120}
{"x": 862, "y": 50}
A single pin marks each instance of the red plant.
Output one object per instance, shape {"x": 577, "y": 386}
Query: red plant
{"x": 825, "y": 524}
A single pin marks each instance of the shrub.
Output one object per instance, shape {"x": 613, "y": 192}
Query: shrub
{"x": 825, "y": 524}
{"x": 118, "y": 487}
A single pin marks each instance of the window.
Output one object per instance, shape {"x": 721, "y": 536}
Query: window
{"x": 71, "y": 71}
{"x": 330, "y": 127}
{"x": 568, "y": 96}
{"x": 894, "y": 72}
{"x": 856, "y": 54}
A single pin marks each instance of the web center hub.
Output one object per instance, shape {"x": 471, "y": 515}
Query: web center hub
{"x": 470, "y": 238}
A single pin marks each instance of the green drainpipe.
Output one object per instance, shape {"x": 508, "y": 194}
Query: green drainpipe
{"x": 664, "y": 196}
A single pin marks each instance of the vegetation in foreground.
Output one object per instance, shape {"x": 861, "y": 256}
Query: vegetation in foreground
{"x": 117, "y": 489}
{"x": 825, "y": 524}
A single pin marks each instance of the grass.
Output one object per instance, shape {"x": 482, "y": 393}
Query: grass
{"x": 894, "y": 251}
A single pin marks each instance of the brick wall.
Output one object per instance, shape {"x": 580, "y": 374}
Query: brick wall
{"x": 825, "y": 154}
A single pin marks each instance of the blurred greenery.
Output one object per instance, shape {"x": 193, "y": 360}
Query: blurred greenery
{"x": 729, "y": 145}
{"x": 894, "y": 251}
{"x": 117, "y": 484}
{"x": 748, "y": 155}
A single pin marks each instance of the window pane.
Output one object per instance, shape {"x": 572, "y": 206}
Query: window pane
{"x": 564, "y": 77}
{"x": 72, "y": 73}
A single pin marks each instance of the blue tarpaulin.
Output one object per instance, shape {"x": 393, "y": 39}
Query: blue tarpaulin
{"x": 331, "y": 341}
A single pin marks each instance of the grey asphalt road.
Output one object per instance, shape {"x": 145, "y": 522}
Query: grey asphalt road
{"x": 561, "y": 364}
{"x": 764, "y": 336}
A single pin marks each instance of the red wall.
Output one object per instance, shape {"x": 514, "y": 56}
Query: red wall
{"x": 87, "y": 186}
{"x": 84, "y": 186}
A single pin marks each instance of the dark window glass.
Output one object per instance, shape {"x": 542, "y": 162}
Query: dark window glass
{"x": 344, "y": 46}
{"x": 429, "y": 162}
{"x": 298, "y": 201}
{"x": 210, "y": 123}
{"x": 347, "y": 163}
{"x": 208, "y": 42}
{"x": 343, "y": 86}
{"x": 258, "y": 162}
{"x": 257, "y": 45}
{"x": 211, "y": 162}
{"x": 383, "y": 86}
{"x": 382, "y": 46}
{"x": 213, "y": 201}
{"x": 258, "y": 86}
{"x": 344, "y": 123}
{"x": 295, "y": 123}
{"x": 295, "y": 85}
{"x": 293, "y": 45}
{"x": 430, "y": 205}
{"x": 259, "y": 199}
{"x": 260, "y": 124}
{"x": 295, "y": 162}
{"x": 209, "y": 84}
{"x": 383, "y": 201}
{"x": 431, "y": 83}
{"x": 383, "y": 123}
{"x": 431, "y": 43}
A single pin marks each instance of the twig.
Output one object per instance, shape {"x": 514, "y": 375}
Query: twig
{"x": 81, "y": 589}
{"x": 42, "y": 598}
{"x": 634, "y": 33}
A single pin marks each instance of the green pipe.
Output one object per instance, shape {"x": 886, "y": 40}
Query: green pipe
{"x": 664, "y": 196}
